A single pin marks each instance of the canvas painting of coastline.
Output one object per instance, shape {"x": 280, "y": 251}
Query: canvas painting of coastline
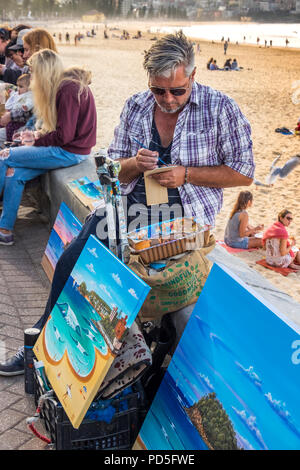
{"x": 234, "y": 379}
{"x": 65, "y": 228}
{"x": 96, "y": 307}
{"x": 88, "y": 192}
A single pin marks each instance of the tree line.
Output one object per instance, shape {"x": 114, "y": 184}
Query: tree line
{"x": 75, "y": 8}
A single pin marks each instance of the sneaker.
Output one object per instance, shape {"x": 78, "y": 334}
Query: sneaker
{"x": 6, "y": 239}
{"x": 15, "y": 365}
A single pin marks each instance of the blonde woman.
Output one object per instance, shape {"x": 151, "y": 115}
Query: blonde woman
{"x": 65, "y": 107}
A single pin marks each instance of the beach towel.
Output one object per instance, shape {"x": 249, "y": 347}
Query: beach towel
{"x": 234, "y": 250}
{"x": 283, "y": 271}
{"x": 277, "y": 230}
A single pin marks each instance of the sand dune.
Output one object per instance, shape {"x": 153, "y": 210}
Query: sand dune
{"x": 263, "y": 89}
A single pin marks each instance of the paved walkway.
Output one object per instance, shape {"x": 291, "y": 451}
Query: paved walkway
{"x": 24, "y": 291}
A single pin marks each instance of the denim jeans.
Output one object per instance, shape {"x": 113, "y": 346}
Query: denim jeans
{"x": 242, "y": 243}
{"x": 28, "y": 163}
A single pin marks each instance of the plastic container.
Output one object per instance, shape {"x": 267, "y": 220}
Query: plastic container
{"x": 118, "y": 434}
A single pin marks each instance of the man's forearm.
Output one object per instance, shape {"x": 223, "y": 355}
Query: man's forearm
{"x": 129, "y": 170}
{"x": 209, "y": 176}
{"x": 216, "y": 177}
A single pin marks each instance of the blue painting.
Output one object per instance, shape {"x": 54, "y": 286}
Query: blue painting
{"x": 234, "y": 379}
{"x": 90, "y": 193}
{"x": 66, "y": 227}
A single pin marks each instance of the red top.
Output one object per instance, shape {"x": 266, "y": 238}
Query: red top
{"x": 76, "y": 121}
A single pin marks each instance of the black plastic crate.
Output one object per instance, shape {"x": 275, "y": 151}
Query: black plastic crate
{"x": 119, "y": 434}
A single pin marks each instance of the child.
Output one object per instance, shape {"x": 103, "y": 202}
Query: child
{"x": 18, "y": 99}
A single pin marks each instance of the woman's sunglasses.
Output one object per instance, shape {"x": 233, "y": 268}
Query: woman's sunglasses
{"x": 180, "y": 91}
{"x": 289, "y": 218}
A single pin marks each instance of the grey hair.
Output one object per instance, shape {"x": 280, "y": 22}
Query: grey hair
{"x": 168, "y": 53}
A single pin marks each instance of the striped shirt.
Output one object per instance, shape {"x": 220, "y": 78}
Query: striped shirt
{"x": 210, "y": 131}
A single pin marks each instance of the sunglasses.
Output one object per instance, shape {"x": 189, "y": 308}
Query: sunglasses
{"x": 180, "y": 91}
{"x": 289, "y": 218}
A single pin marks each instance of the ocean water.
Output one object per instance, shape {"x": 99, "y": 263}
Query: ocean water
{"x": 66, "y": 227}
{"x": 276, "y": 32}
{"x": 70, "y": 328}
{"x": 91, "y": 191}
{"x": 167, "y": 425}
{"x": 54, "y": 248}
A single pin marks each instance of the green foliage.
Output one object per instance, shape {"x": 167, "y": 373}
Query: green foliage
{"x": 109, "y": 326}
{"x": 97, "y": 302}
{"x": 216, "y": 423}
{"x": 76, "y": 8}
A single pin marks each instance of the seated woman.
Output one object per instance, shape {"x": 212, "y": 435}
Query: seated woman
{"x": 213, "y": 65}
{"x": 238, "y": 232}
{"x": 227, "y": 65}
{"x": 277, "y": 244}
{"x": 65, "y": 106}
{"x": 209, "y": 62}
{"x": 29, "y": 42}
{"x": 234, "y": 65}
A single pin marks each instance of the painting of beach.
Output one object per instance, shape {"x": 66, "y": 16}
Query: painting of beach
{"x": 65, "y": 228}
{"x": 95, "y": 309}
{"x": 222, "y": 389}
{"x": 87, "y": 191}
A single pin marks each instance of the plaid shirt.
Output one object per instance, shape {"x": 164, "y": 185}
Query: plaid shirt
{"x": 210, "y": 131}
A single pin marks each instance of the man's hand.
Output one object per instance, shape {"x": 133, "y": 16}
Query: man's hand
{"x": 5, "y": 119}
{"x": 173, "y": 178}
{"x": 146, "y": 160}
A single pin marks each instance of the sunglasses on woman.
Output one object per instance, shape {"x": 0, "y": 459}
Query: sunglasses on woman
{"x": 289, "y": 218}
{"x": 179, "y": 91}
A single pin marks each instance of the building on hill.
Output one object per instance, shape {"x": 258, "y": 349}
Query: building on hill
{"x": 93, "y": 16}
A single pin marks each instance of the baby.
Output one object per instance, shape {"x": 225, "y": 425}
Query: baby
{"x": 23, "y": 99}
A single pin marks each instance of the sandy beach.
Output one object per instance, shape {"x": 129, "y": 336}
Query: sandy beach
{"x": 264, "y": 90}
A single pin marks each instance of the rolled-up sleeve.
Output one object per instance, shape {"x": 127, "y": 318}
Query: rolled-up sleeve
{"x": 234, "y": 139}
